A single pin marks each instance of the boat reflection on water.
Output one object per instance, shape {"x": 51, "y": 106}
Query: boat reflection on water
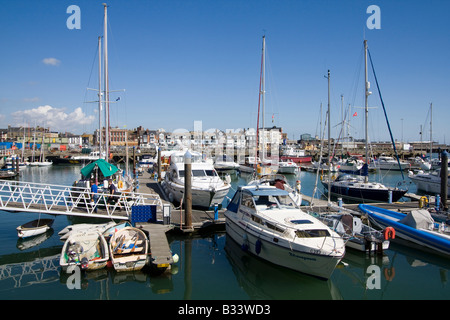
{"x": 264, "y": 280}
{"x": 27, "y": 243}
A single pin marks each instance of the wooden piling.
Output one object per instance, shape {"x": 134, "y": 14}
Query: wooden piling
{"x": 159, "y": 164}
{"x": 188, "y": 191}
{"x": 444, "y": 180}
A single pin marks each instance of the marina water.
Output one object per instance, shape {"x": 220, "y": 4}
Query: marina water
{"x": 211, "y": 267}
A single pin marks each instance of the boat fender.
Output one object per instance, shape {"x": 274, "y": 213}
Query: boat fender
{"x": 244, "y": 246}
{"x": 423, "y": 202}
{"x": 258, "y": 246}
{"x": 389, "y": 233}
{"x": 120, "y": 185}
{"x": 389, "y": 273}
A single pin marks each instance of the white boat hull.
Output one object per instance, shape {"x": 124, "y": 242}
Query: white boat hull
{"x": 32, "y": 233}
{"x": 200, "y": 197}
{"x": 282, "y": 252}
{"x": 34, "y": 228}
{"x": 429, "y": 186}
{"x": 287, "y": 169}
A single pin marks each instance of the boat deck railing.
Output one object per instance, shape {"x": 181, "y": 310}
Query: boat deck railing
{"x": 18, "y": 196}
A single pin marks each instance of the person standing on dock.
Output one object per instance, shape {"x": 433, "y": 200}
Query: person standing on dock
{"x": 113, "y": 194}
{"x": 94, "y": 196}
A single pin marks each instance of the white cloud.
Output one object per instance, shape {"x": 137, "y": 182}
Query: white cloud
{"x": 51, "y": 62}
{"x": 57, "y": 119}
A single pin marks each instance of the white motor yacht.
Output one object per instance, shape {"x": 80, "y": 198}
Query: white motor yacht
{"x": 225, "y": 164}
{"x": 287, "y": 167}
{"x": 207, "y": 187}
{"x": 266, "y": 222}
{"x": 428, "y": 182}
{"x": 389, "y": 163}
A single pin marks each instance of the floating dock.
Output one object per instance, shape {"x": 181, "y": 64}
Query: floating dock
{"x": 202, "y": 220}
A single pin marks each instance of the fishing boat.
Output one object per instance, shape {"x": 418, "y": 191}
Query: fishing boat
{"x": 34, "y": 228}
{"x": 129, "y": 249}
{"x": 207, "y": 187}
{"x": 429, "y": 182}
{"x": 356, "y": 234}
{"x": 266, "y": 222}
{"x": 417, "y": 227}
{"x": 295, "y": 155}
{"x": 86, "y": 249}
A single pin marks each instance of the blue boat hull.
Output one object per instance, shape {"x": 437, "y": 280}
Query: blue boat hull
{"x": 430, "y": 239}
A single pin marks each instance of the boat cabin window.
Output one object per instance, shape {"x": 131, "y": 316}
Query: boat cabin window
{"x": 247, "y": 201}
{"x": 274, "y": 227}
{"x": 263, "y": 202}
{"x": 211, "y": 173}
{"x": 198, "y": 173}
{"x": 313, "y": 233}
{"x": 181, "y": 173}
{"x": 257, "y": 219}
{"x": 286, "y": 201}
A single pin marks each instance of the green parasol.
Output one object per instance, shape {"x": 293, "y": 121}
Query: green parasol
{"x": 106, "y": 168}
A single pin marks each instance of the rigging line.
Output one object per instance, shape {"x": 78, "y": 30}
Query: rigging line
{"x": 89, "y": 79}
{"x": 385, "y": 114}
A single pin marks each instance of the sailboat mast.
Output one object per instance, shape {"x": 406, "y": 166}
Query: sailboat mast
{"x": 106, "y": 94}
{"x": 367, "y": 93}
{"x": 431, "y": 131}
{"x": 100, "y": 96}
{"x": 329, "y": 141}
{"x": 263, "y": 93}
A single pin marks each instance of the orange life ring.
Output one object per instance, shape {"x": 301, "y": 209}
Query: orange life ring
{"x": 389, "y": 273}
{"x": 389, "y": 233}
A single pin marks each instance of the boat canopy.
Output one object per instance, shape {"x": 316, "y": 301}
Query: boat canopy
{"x": 106, "y": 168}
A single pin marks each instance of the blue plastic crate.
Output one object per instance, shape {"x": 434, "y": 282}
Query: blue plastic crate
{"x": 143, "y": 213}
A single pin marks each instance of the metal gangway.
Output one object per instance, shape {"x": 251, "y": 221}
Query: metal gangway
{"x": 20, "y": 196}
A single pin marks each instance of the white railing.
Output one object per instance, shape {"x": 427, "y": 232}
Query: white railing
{"x": 64, "y": 200}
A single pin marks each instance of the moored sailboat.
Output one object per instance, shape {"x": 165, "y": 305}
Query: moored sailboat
{"x": 357, "y": 188}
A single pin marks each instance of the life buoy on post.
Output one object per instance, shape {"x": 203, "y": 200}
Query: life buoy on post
{"x": 389, "y": 233}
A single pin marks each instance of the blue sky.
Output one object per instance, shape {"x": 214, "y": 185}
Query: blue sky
{"x": 190, "y": 60}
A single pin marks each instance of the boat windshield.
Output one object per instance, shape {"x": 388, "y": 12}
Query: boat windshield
{"x": 264, "y": 202}
{"x": 204, "y": 173}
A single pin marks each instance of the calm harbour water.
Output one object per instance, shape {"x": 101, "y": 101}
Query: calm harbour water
{"x": 211, "y": 267}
